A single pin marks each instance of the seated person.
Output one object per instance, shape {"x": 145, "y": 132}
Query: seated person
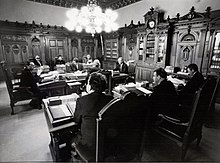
{"x": 121, "y": 66}
{"x": 96, "y": 66}
{"x": 187, "y": 92}
{"x": 59, "y": 60}
{"x": 75, "y": 65}
{"x": 87, "y": 108}
{"x": 28, "y": 79}
{"x": 176, "y": 69}
{"x": 164, "y": 98}
{"x": 88, "y": 59}
{"x": 37, "y": 61}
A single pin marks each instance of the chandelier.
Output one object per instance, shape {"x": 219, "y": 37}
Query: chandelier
{"x": 92, "y": 19}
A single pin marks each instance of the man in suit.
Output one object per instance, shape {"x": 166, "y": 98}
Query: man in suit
{"x": 87, "y": 108}
{"x": 121, "y": 66}
{"x": 163, "y": 100}
{"x": 37, "y": 61}
{"x": 75, "y": 65}
{"x": 28, "y": 79}
{"x": 187, "y": 92}
{"x": 59, "y": 60}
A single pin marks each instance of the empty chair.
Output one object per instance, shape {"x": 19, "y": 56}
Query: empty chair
{"x": 131, "y": 73}
{"x": 16, "y": 94}
{"x": 120, "y": 130}
{"x": 187, "y": 132}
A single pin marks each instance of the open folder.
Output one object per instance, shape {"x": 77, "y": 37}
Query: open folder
{"x": 60, "y": 111}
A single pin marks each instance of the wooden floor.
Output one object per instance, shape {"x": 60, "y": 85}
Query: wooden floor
{"x": 24, "y": 137}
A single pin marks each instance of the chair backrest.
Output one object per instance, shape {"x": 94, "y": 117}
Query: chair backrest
{"x": 120, "y": 128}
{"x": 202, "y": 101}
{"x": 131, "y": 68}
{"x": 7, "y": 77}
{"x": 215, "y": 83}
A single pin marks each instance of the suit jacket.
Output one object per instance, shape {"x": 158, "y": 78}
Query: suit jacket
{"x": 80, "y": 66}
{"x": 123, "y": 68}
{"x": 164, "y": 99}
{"x": 59, "y": 62}
{"x": 37, "y": 63}
{"x": 75, "y": 67}
{"x": 30, "y": 80}
{"x": 87, "y": 108}
{"x": 187, "y": 93}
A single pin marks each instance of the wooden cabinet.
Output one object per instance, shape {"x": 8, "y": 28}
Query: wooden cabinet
{"x": 150, "y": 47}
{"x": 111, "y": 48}
{"x": 215, "y": 59}
{"x": 140, "y": 47}
{"x": 145, "y": 44}
{"x": 152, "y": 44}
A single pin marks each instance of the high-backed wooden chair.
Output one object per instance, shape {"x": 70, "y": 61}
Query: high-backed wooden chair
{"x": 131, "y": 73}
{"x": 16, "y": 93}
{"x": 187, "y": 132}
{"x": 120, "y": 130}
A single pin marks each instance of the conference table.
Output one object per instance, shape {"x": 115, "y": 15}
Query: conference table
{"x": 56, "y": 83}
{"x": 61, "y": 83}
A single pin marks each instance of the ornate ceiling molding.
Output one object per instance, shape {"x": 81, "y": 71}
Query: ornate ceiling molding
{"x": 114, "y": 4}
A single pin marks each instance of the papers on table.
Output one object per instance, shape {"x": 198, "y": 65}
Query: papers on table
{"x": 175, "y": 81}
{"x": 183, "y": 73}
{"x": 69, "y": 98}
{"x": 76, "y": 75}
{"x": 144, "y": 90}
{"x": 131, "y": 86}
{"x": 74, "y": 84}
{"x": 55, "y": 75}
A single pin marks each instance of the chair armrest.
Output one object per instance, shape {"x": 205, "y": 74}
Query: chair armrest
{"x": 79, "y": 152}
{"x": 22, "y": 88}
{"x": 173, "y": 120}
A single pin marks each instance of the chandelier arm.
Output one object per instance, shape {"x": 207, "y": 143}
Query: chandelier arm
{"x": 92, "y": 19}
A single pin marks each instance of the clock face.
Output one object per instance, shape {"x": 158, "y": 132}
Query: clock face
{"x": 151, "y": 23}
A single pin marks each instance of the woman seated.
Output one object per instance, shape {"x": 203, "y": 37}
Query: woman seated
{"x": 87, "y": 108}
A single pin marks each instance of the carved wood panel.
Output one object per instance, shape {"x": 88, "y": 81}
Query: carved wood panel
{"x": 14, "y": 48}
{"x": 56, "y": 48}
{"x": 36, "y": 48}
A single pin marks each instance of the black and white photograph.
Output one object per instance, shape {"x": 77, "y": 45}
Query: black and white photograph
{"x": 109, "y": 80}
